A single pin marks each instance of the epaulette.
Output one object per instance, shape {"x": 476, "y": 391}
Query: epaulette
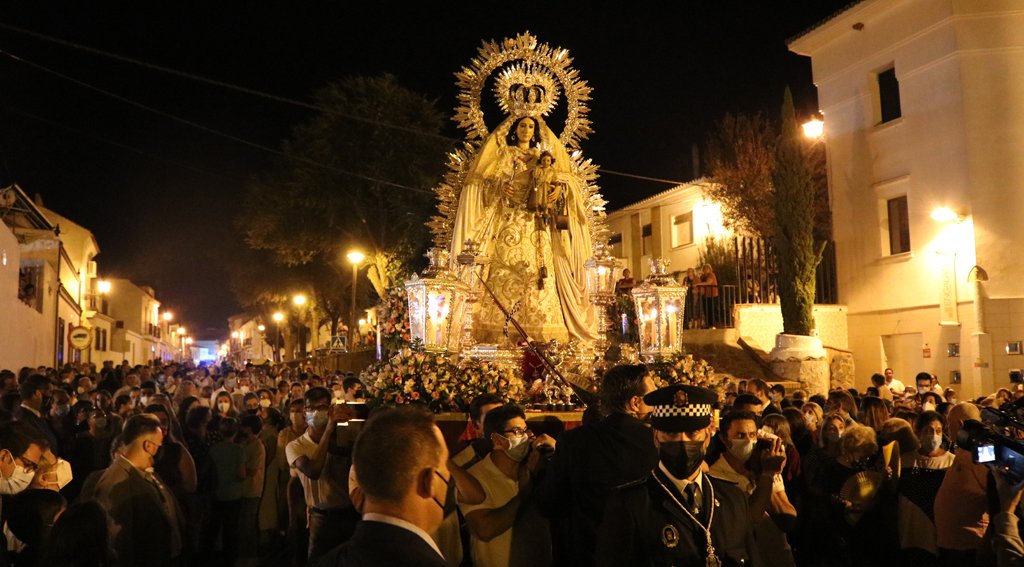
{"x": 633, "y": 483}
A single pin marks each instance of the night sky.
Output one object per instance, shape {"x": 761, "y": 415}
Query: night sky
{"x": 160, "y": 196}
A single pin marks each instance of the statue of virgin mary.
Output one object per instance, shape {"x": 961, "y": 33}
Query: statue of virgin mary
{"x": 523, "y": 204}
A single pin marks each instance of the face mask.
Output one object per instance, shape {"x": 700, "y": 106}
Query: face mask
{"x": 518, "y": 448}
{"x": 244, "y": 389}
{"x": 61, "y": 410}
{"x": 19, "y": 480}
{"x": 741, "y": 449}
{"x": 928, "y": 406}
{"x": 144, "y": 400}
{"x": 81, "y": 390}
{"x": 811, "y": 421}
{"x": 316, "y": 419}
{"x": 449, "y": 505}
{"x": 224, "y": 407}
{"x": 681, "y": 458}
{"x": 929, "y": 443}
{"x": 775, "y": 397}
{"x": 100, "y": 422}
{"x": 264, "y": 403}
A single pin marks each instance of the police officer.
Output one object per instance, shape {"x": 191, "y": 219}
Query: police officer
{"x": 677, "y": 515}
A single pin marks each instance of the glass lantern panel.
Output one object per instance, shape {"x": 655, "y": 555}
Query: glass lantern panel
{"x": 649, "y": 339}
{"x": 672, "y": 318}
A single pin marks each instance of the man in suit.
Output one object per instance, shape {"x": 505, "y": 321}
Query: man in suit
{"x": 678, "y": 515}
{"x": 145, "y": 522}
{"x": 401, "y": 463}
{"x": 592, "y": 460}
{"x": 34, "y": 392}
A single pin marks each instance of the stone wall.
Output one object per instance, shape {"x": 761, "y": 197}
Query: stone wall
{"x": 761, "y": 322}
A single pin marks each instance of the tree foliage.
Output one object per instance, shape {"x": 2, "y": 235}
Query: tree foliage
{"x": 798, "y": 256}
{"x": 345, "y": 183}
{"x": 741, "y": 161}
{"x": 351, "y": 183}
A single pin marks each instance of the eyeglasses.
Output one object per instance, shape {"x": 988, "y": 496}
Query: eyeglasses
{"x": 517, "y": 431}
{"x": 29, "y": 465}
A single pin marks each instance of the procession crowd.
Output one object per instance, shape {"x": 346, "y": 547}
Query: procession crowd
{"x": 171, "y": 464}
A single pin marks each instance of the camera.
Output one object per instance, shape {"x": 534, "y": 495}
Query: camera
{"x": 996, "y": 440}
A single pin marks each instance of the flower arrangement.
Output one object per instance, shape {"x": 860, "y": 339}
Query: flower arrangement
{"x": 440, "y": 382}
{"x": 394, "y": 319}
{"x": 683, "y": 369}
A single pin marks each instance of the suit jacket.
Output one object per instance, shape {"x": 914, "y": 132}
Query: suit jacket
{"x": 145, "y": 521}
{"x": 643, "y": 526}
{"x": 39, "y": 424}
{"x": 587, "y": 466}
{"x": 376, "y": 544}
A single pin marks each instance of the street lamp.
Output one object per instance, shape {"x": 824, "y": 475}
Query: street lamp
{"x": 278, "y": 317}
{"x": 262, "y": 329}
{"x": 168, "y": 316}
{"x": 299, "y": 300}
{"x": 181, "y": 338}
{"x": 103, "y": 286}
{"x": 355, "y": 257}
{"x": 814, "y": 128}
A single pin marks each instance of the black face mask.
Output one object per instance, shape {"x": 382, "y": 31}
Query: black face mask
{"x": 681, "y": 458}
{"x": 449, "y": 498}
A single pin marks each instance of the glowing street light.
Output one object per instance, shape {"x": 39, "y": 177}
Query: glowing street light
{"x": 181, "y": 331}
{"x": 261, "y": 327}
{"x": 103, "y": 287}
{"x": 946, "y": 214}
{"x": 814, "y": 128}
{"x": 299, "y": 300}
{"x": 234, "y": 334}
{"x": 355, "y": 257}
{"x": 188, "y": 340}
{"x": 168, "y": 316}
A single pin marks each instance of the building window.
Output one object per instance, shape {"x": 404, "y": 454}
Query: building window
{"x": 682, "y": 230}
{"x": 60, "y": 341}
{"x": 647, "y": 244}
{"x": 615, "y": 243}
{"x": 889, "y": 95}
{"x": 899, "y": 226}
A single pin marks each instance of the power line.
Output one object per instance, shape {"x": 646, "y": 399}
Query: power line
{"x": 223, "y": 84}
{"x": 207, "y": 128}
{"x": 87, "y": 134}
{"x": 268, "y": 96}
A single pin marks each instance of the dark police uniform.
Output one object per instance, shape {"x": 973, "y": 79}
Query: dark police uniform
{"x": 651, "y": 523}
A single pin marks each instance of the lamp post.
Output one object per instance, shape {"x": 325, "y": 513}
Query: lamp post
{"x": 355, "y": 257}
{"x": 263, "y": 339}
{"x": 300, "y": 302}
{"x": 181, "y": 341}
{"x": 278, "y": 317}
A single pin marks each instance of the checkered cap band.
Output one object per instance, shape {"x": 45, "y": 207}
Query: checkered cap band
{"x": 690, "y": 410}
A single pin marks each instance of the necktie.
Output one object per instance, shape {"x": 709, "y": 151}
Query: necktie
{"x": 693, "y": 498}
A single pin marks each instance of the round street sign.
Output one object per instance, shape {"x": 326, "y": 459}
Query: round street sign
{"x": 80, "y": 337}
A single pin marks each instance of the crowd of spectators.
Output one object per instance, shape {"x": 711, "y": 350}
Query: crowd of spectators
{"x": 170, "y": 464}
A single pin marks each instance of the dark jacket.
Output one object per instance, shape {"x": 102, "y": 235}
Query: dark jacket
{"x": 145, "y": 521}
{"x": 589, "y": 463}
{"x": 376, "y": 544}
{"x": 644, "y": 526}
{"x": 39, "y": 424}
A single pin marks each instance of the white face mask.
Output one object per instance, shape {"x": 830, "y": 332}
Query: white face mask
{"x": 19, "y": 480}
{"x": 741, "y": 449}
{"x": 518, "y": 447}
{"x": 224, "y": 407}
{"x": 264, "y": 403}
{"x": 811, "y": 421}
{"x": 929, "y": 443}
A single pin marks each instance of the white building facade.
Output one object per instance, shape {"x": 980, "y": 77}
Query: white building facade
{"x": 923, "y": 103}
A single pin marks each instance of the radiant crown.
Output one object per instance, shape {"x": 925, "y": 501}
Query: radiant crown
{"x": 526, "y": 90}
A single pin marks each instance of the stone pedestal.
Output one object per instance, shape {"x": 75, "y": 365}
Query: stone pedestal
{"x": 801, "y": 359}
